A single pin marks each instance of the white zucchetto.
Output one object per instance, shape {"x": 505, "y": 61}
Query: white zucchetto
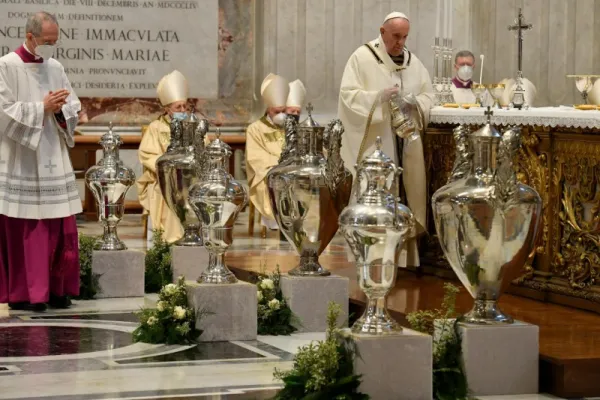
{"x": 274, "y": 91}
{"x": 171, "y": 88}
{"x": 297, "y": 94}
{"x": 395, "y": 14}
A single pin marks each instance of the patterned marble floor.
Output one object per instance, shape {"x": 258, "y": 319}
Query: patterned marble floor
{"x": 87, "y": 353}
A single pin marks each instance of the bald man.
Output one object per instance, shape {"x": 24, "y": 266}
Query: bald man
{"x": 376, "y": 71}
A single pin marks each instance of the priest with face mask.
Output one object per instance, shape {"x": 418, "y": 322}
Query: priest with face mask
{"x": 172, "y": 91}
{"x": 376, "y": 71}
{"x": 464, "y": 65}
{"x": 264, "y": 143}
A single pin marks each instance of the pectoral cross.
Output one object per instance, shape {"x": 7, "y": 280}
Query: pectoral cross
{"x": 50, "y": 166}
{"x": 519, "y": 27}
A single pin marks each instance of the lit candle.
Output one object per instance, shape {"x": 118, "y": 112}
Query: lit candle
{"x": 438, "y": 18}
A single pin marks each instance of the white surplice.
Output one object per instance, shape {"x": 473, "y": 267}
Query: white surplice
{"x": 36, "y": 175}
{"x": 462, "y": 95}
{"x": 364, "y": 77}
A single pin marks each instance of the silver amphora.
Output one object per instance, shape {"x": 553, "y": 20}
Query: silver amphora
{"x": 217, "y": 200}
{"x": 375, "y": 228}
{"x": 486, "y": 221}
{"x": 178, "y": 169}
{"x": 109, "y": 180}
{"x": 308, "y": 192}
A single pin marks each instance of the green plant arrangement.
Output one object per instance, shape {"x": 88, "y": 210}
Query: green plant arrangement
{"x": 158, "y": 271}
{"x": 324, "y": 370}
{"x": 172, "y": 321}
{"x": 274, "y": 314}
{"x": 449, "y": 378}
{"x": 89, "y": 284}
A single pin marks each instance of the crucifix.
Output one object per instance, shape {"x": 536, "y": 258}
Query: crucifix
{"x": 518, "y": 100}
{"x": 50, "y": 166}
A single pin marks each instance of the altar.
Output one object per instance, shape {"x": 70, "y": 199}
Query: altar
{"x": 560, "y": 158}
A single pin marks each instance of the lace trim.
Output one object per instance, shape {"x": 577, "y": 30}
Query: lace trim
{"x": 531, "y": 120}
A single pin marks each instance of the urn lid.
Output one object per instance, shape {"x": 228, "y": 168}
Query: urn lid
{"x": 487, "y": 131}
{"x": 377, "y": 161}
{"x": 309, "y": 122}
{"x": 192, "y": 118}
{"x": 110, "y": 139}
{"x": 217, "y": 147}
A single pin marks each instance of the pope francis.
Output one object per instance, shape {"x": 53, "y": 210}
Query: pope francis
{"x": 375, "y": 72}
{"x": 265, "y": 139}
{"x": 172, "y": 93}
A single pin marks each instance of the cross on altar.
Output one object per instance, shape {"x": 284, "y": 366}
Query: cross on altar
{"x": 50, "y": 166}
{"x": 309, "y": 108}
{"x": 488, "y": 113}
{"x": 519, "y": 27}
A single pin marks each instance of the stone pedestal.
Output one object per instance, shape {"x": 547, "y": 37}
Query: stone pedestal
{"x": 233, "y": 308}
{"x": 308, "y": 298}
{"x": 189, "y": 261}
{"x": 501, "y": 359}
{"x": 395, "y": 367}
{"x": 121, "y": 273}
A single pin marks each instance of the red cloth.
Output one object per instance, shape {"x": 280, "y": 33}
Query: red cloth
{"x": 38, "y": 257}
{"x": 27, "y": 57}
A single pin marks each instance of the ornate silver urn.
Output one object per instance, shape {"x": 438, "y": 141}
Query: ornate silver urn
{"x": 178, "y": 169}
{"x": 109, "y": 180}
{"x": 308, "y": 191}
{"x": 217, "y": 199}
{"x": 486, "y": 221}
{"x": 375, "y": 228}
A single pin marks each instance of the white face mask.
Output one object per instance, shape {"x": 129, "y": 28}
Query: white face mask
{"x": 279, "y": 119}
{"x": 45, "y": 51}
{"x": 465, "y": 73}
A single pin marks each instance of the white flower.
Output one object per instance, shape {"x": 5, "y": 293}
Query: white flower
{"x": 160, "y": 306}
{"x": 152, "y": 320}
{"x": 267, "y": 284}
{"x": 179, "y": 312}
{"x": 170, "y": 288}
{"x": 259, "y": 295}
{"x": 274, "y": 304}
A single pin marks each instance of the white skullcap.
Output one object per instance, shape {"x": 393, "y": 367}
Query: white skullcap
{"x": 395, "y": 14}
{"x": 171, "y": 88}
{"x": 274, "y": 91}
{"x": 297, "y": 94}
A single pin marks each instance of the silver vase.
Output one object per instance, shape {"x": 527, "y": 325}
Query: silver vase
{"x": 109, "y": 180}
{"x": 178, "y": 169}
{"x": 486, "y": 221}
{"x": 217, "y": 200}
{"x": 308, "y": 191}
{"x": 375, "y": 228}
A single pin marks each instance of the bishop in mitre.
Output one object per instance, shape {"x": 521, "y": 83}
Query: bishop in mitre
{"x": 39, "y": 256}
{"x": 172, "y": 91}
{"x": 374, "y": 72}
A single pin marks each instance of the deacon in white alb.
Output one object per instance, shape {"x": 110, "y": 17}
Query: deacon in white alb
{"x": 39, "y": 259}
{"x": 370, "y": 77}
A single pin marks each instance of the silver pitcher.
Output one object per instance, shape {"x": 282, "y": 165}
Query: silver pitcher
{"x": 308, "y": 192}
{"x": 178, "y": 169}
{"x": 486, "y": 221}
{"x": 217, "y": 200}
{"x": 109, "y": 180}
{"x": 375, "y": 228}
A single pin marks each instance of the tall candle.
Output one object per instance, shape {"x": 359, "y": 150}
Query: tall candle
{"x": 438, "y": 18}
{"x": 445, "y": 19}
{"x": 450, "y": 17}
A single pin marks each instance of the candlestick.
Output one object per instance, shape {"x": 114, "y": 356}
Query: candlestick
{"x": 445, "y": 19}
{"x": 450, "y": 15}
{"x": 438, "y": 17}
{"x": 482, "y": 57}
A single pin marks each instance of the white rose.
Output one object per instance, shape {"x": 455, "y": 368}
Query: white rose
{"x": 267, "y": 284}
{"x": 170, "y": 288}
{"x": 259, "y": 295}
{"x": 179, "y": 312}
{"x": 274, "y": 304}
{"x": 152, "y": 320}
{"x": 160, "y": 306}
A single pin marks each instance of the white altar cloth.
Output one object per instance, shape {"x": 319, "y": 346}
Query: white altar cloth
{"x": 552, "y": 117}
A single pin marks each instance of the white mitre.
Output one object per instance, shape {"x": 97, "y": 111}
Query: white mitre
{"x": 171, "y": 88}
{"x": 395, "y": 14}
{"x": 297, "y": 94}
{"x": 594, "y": 94}
{"x": 274, "y": 91}
{"x": 509, "y": 89}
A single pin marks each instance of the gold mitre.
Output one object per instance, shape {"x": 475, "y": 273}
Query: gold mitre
{"x": 395, "y": 14}
{"x": 297, "y": 94}
{"x": 274, "y": 91}
{"x": 171, "y": 88}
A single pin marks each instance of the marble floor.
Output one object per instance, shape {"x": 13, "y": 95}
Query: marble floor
{"x": 87, "y": 353}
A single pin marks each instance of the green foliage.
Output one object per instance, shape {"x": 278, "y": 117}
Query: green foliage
{"x": 274, "y": 314}
{"x": 89, "y": 284}
{"x": 158, "y": 271}
{"x": 173, "y": 321}
{"x": 324, "y": 370}
{"x": 449, "y": 379}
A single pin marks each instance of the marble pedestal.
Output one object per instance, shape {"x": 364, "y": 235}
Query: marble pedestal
{"x": 189, "y": 261}
{"x": 121, "y": 273}
{"x": 395, "y": 366}
{"x": 233, "y": 308}
{"x": 501, "y": 359}
{"x": 308, "y": 298}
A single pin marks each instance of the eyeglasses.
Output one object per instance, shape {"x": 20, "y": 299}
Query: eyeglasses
{"x": 58, "y": 43}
